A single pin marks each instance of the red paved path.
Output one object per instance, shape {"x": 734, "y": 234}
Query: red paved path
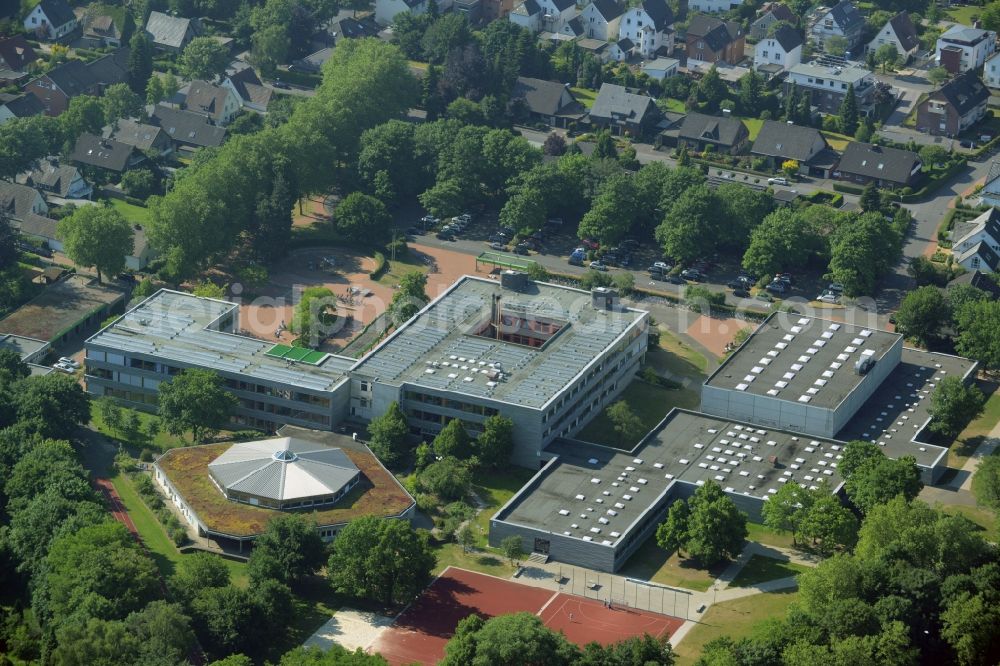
{"x": 422, "y": 630}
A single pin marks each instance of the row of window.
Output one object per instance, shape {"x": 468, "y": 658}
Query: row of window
{"x": 282, "y": 410}
{"x": 448, "y": 403}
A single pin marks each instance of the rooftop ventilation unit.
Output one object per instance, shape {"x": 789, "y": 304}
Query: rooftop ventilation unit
{"x": 864, "y": 365}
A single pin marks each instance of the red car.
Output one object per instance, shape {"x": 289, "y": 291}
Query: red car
{"x": 591, "y": 244}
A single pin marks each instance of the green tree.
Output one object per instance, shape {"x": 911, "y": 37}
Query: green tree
{"x": 361, "y": 217}
{"x": 154, "y": 90}
{"x": 140, "y": 61}
{"x": 953, "y": 405}
{"x": 613, "y": 211}
{"x": 196, "y": 572}
{"x": 384, "y": 560}
{"x": 195, "y": 400}
{"x": 170, "y": 85}
{"x": 711, "y": 90}
{"x": 782, "y": 241}
{"x": 986, "y": 482}
{"x": 716, "y": 527}
{"x": 314, "y": 315}
{"x": 53, "y": 406}
{"x": 887, "y": 56}
{"x": 518, "y": 638}
{"x": 690, "y": 226}
{"x": 85, "y": 114}
{"x": 335, "y": 655}
{"x": 879, "y": 479}
{"x": 990, "y": 16}
{"x": 57, "y": 508}
{"x": 495, "y": 444}
{"x": 120, "y": 101}
{"x": 453, "y": 440}
{"x": 138, "y": 183}
{"x": 12, "y": 367}
{"x": 862, "y": 250}
{"x": 937, "y": 75}
{"x": 444, "y": 35}
{"x": 922, "y": 314}
{"x": 204, "y": 58}
{"x": 672, "y": 534}
{"x": 512, "y": 548}
{"x": 605, "y": 146}
{"x": 410, "y": 297}
{"x": 977, "y": 324}
{"x": 387, "y": 435}
{"x": 786, "y": 510}
{"x": 289, "y": 550}
{"x": 848, "y": 112}
{"x": 627, "y": 424}
{"x": 971, "y": 626}
{"x": 931, "y": 155}
{"x": 828, "y": 523}
{"x": 634, "y": 651}
{"x": 836, "y": 45}
{"x": 751, "y": 93}
{"x": 97, "y": 236}
{"x": 449, "y": 478}
{"x": 870, "y": 200}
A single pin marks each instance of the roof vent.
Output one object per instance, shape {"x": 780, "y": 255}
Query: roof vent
{"x": 603, "y": 298}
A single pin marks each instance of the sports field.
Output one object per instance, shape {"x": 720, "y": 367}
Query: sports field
{"x": 422, "y": 630}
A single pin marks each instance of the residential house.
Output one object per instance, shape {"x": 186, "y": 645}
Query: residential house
{"x": 16, "y": 55}
{"x": 649, "y": 26}
{"x": 901, "y": 33}
{"x": 491, "y": 10}
{"x": 596, "y": 48}
{"x": 955, "y": 106}
{"x": 827, "y": 84}
{"x": 771, "y": 13}
{"x": 386, "y": 10}
{"x": 712, "y": 6}
{"x": 145, "y": 138}
{"x": 982, "y": 229}
{"x": 217, "y": 103}
{"x": 712, "y": 40}
{"x": 25, "y": 207}
{"x": 170, "y": 33}
{"x": 100, "y": 31}
{"x": 841, "y": 20}
{"x": 979, "y": 280}
{"x": 101, "y": 153}
{"x": 601, "y": 18}
{"x": 571, "y": 29}
{"x": 661, "y": 68}
{"x": 961, "y": 48}
{"x": 314, "y": 61}
{"x": 349, "y": 27}
{"x": 621, "y": 50}
{"x": 19, "y": 106}
{"x": 544, "y": 15}
{"x": 990, "y": 194}
{"x": 190, "y": 131}
{"x": 470, "y": 9}
{"x": 72, "y": 78}
{"x": 252, "y": 94}
{"x": 724, "y": 134}
{"x": 50, "y": 19}
{"x": 624, "y": 112}
{"x": 991, "y": 71}
{"x": 980, "y": 257}
{"x": 548, "y": 101}
{"x": 779, "y": 142}
{"x": 60, "y": 180}
{"x": 865, "y": 163}
{"x": 783, "y": 48}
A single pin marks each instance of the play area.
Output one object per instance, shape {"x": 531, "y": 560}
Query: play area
{"x": 420, "y": 633}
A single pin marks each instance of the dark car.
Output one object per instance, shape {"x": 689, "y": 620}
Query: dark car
{"x": 674, "y": 279}
{"x": 691, "y": 274}
{"x": 739, "y": 283}
{"x": 630, "y": 243}
{"x": 281, "y": 84}
{"x": 741, "y": 293}
{"x": 777, "y": 287}
{"x": 521, "y": 249}
{"x": 445, "y": 235}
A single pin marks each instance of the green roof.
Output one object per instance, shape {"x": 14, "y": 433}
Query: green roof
{"x": 298, "y": 354}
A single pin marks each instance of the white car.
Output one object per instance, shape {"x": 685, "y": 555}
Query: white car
{"x": 65, "y": 360}
{"x": 828, "y": 297}
{"x": 777, "y": 181}
{"x": 62, "y": 367}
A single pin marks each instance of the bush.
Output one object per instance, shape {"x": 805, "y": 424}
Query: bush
{"x": 146, "y": 455}
{"x": 381, "y": 264}
{"x": 179, "y": 536}
{"x": 698, "y": 297}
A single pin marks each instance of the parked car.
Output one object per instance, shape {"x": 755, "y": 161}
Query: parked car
{"x": 62, "y": 367}
{"x": 500, "y": 247}
{"x": 445, "y": 235}
{"x": 630, "y": 243}
{"x": 280, "y": 84}
{"x": 777, "y": 181}
{"x": 65, "y": 360}
{"x": 554, "y": 222}
{"x": 675, "y": 279}
{"x": 591, "y": 244}
{"x": 835, "y": 287}
{"x": 430, "y": 221}
{"x": 521, "y": 248}
{"x": 777, "y": 287}
{"x": 828, "y": 297}
{"x": 661, "y": 266}
{"x": 783, "y": 277}
{"x": 598, "y": 266}
{"x": 740, "y": 283}
{"x": 741, "y": 293}
{"x": 691, "y": 274}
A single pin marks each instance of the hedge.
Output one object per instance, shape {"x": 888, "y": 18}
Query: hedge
{"x": 307, "y": 79}
{"x": 850, "y": 189}
{"x": 934, "y": 182}
{"x": 381, "y": 265}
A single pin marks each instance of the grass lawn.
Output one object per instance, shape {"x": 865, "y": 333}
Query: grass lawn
{"x": 160, "y": 547}
{"x": 495, "y": 488}
{"x": 974, "y": 434}
{"x": 400, "y": 267}
{"x": 754, "y": 125}
{"x": 650, "y": 403}
{"x": 837, "y": 141}
{"x": 161, "y": 442}
{"x": 488, "y": 562}
{"x": 761, "y": 569}
{"x": 585, "y": 96}
{"x": 654, "y": 564}
{"x": 416, "y": 64}
{"x": 765, "y": 535}
{"x": 132, "y": 213}
{"x": 964, "y": 14}
{"x": 734, "y": 618}
{"x": 980, "y": 516}
{"x": 674, "y": 105}
{"x": 676, "y": 357}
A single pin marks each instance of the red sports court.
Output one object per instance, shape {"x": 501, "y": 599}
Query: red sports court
{"x": 422, "y": 630}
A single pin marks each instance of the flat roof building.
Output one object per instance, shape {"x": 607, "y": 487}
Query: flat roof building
{"x": 69, "y": 307}
{"x": 594, "y": 506}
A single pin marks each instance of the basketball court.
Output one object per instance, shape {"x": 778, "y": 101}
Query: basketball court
{"x": 420, "y": 633}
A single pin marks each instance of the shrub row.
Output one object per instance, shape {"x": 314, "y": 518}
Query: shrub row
{"x": 147, "y": 491}
{"x": 381, "y": 266}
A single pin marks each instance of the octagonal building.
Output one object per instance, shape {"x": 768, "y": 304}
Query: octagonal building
{"x": 284, "y": 473}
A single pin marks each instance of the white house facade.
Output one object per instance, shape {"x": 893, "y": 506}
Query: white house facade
{"x": 783, "y": 48}
{"x": 648, "y": 27}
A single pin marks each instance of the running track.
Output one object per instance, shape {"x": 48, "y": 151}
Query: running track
{"x": 421, "y": 631}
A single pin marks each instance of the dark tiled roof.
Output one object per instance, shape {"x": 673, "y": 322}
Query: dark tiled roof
{"x": 142, "y": 136}
{"x": 608, "y": 9}
{"x": 965, "y": 92}
{"x": 846, "y": 15}
{"x": 166, "y": 30}
{"x": 905, "y": 31}
{"x": 17, "y": 53}
{"x": 660, "y": 12}
{"x": 614, "y": 102}
{"x": 889, "y": 164}
{"x": 788, "y": 38}
{"x": 187, "y": 127}
{"x": 985, "y": 252}
{"x": 207, "y": 98}
{"x": 353, "y": 28}
{"x": 717, "y": 130}
{"x": 979, "y": 280}
{"x": 22, "y": 105}
{"x": 16, "y": 200}
{"x": 100, "y": 152}
{"x": 53, "y": 177}
{"x": 249, "y": 87}
{"x": 625, "y": 45}
{"x": 781, "y": 12}
{"x": 542, "y": 97}
{"x": 714, "y": 32}
{"x": 563, "y": 5}
{"x": 74, "y": 77}
{"x": 777, "y": 139}
{"x": 575, "y": 25}
{"x": 57, "y": 12}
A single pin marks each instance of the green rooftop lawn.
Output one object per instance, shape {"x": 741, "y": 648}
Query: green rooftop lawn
{"x": 650, "y": 403}
{"x": 654, "y": 564}
{"x": 760, "y": 569}
{"x": 131, "y": 212}
{"x": 734, "y": 618}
